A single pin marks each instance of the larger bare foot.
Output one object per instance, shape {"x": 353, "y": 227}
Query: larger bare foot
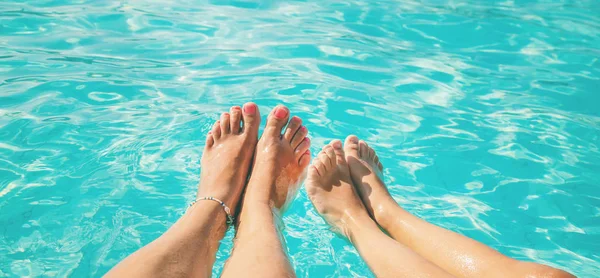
{"x": 330, "y": 189}
{"x": 282, "y": 156}
{"x": 228, "y": 153}
{"x": 365, "y": 171}
{"x": 281, "y": 159}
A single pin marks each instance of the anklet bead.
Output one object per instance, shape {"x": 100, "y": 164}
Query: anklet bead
{"x": 225, "y": 207}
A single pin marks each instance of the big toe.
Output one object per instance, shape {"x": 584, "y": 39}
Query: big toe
{"x": 351, "y": 146}
{"x": 250, "y": 118}
{"x": 276, "y": 121}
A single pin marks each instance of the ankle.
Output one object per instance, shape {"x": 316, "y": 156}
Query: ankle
{"x": 258, "y": 192}
{"x": 385, "y": 213}
{"x": 256, "y": 215}
{"x": 204, "y": 214}
{"x": 353, "y": 223}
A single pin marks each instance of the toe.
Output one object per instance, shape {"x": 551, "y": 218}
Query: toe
{"x": 292, "y": 127}
{"x": 340, "y": 157}
{"x": 216, "y": 130}
{"x": 363, "y": 149}
{"x": 319, "y": 166}
{"x": 251, "y": 118}
{"x": 314, "y": 175}
{"x": 371, "y": 153}
{"x": 235, "y": 120}
{"x": 225, "y": 119}
{"x": 304, "y": 159}
{"x": 325, "y": 158}
{"x": 210, "y": 140}
{"x": 301, "y": 149}
{"x": 299, "y": 136}
{"x": 331, "y": 156}
{"x": 351, "y": 146}
{"x": 276, "y": 121}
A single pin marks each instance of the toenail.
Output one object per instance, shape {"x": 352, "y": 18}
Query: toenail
{"x": 250, "y": 108}
{"x": 337, "y": 144}
{"x": 303, "y": 129}
{"x": 280, "y": 112}
{"x": 235, "y": 108}
{"x": 354, "y": 139}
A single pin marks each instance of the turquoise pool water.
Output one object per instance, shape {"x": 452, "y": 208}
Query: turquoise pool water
{"x": 485, "y": 115}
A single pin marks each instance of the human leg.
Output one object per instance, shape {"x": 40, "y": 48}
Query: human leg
{"x": 189, "y": 247}
{"x": 279, "y": 166}
{"x": 455, "y": 253}
{"x": 330, "y": 189}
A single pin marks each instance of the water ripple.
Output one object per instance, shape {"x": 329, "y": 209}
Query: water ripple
{"x": 485, "y": 116}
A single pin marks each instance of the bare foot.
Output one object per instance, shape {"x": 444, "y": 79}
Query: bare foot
{"x": 279, "y": 167}
{"x": 365, "y": 171}
{"x": 228, "y": 153}
{"x": 282, "y": 156}
{"x": 330, "y": 189}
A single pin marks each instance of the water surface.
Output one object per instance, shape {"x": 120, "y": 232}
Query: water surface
{"x": 485, "y": 115}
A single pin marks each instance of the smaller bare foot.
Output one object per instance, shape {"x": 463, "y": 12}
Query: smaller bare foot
{"x": 365, "y": 171}
{"x": 330, "y": 189}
